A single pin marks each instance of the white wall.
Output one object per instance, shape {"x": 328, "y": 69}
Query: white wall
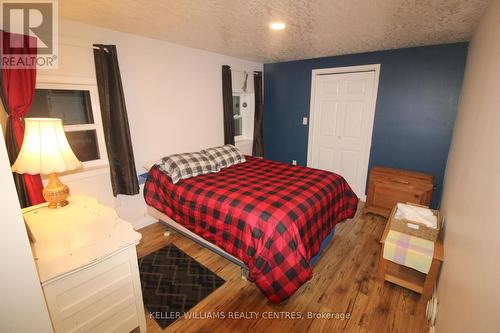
{"x": 173, "y": 95}
{"x": 22, "y": 306}
{"x": 469, "y": 287}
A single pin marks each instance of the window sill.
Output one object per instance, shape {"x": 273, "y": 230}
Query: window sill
{"x": 86, "y": 172}
{"x": 242, "y": 140}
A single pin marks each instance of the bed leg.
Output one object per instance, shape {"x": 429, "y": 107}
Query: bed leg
{"x": 245, "y": 274}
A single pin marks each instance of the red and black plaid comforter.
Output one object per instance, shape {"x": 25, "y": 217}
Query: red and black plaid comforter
{"x": 272, "y": 216}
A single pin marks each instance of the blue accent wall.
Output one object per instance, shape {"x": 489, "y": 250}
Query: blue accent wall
{"x": 417, "y": 102}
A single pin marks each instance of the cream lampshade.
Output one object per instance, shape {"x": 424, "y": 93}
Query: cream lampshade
{"x": 46, "y": 151}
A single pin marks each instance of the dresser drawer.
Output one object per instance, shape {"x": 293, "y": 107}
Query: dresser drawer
{"x": 387, "y": 194}
{"x": 387, "y": 186}
{"x": 100, "y": 297}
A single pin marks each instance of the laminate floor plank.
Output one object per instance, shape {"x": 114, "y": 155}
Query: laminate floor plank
{"x": 345, "y": 280}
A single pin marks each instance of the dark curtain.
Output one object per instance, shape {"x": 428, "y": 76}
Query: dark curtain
{"x": 115, "y": 121}
{"x": 17, "y": 91}
{"x": 227, "y": 105}
{"x": 258, "y": 142}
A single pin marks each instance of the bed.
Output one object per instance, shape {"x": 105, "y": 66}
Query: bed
{"x": 271, "y": 217}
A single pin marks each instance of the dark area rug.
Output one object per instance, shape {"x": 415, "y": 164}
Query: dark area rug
{"x": 173, "y": 282}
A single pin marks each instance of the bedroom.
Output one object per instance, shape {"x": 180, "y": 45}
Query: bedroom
{"x": 430, "y": 73}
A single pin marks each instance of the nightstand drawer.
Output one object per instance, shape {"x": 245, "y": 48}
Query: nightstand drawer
{"x": 99, "y": 298}
{"x": 109, "y": 311}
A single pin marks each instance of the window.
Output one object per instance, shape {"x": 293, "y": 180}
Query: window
{"x": 77, "y": 106}
{"x": 238, "y": 119}
{"x": 243, "y": 114}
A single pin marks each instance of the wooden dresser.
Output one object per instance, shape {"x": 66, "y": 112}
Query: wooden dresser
{"x": 87, "y": 264}
{"x": 387, "y": 186}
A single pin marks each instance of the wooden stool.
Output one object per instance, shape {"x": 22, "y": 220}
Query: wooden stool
{"x": 408, "y": 277}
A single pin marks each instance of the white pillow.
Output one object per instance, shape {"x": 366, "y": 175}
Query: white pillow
{"x": 225, "y": 156}
{"x": 187, "y": 165}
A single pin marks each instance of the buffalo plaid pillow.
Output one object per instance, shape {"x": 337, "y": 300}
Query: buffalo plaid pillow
{"x": 225, "y": 156}
{"x": 187, "y": 165}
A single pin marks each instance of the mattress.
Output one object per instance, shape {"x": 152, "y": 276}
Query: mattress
{"x": 270, "y": 215}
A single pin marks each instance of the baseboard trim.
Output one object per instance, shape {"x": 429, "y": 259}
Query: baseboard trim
{"x": 143, "y": 222}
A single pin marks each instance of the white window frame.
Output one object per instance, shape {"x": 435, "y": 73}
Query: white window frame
{"x": 76, "y": 84}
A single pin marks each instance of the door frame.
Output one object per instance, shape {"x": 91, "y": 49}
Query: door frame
{"x": 344, "y": 70}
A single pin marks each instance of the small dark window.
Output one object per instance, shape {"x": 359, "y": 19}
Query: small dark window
{"x": 74, "y": 107}
{"x": 84, "y": 145}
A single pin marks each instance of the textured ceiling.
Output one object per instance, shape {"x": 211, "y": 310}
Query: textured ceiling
{"x": 314, "y": 28}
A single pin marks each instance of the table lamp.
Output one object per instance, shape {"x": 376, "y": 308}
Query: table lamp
{"x": 46, "y": 151}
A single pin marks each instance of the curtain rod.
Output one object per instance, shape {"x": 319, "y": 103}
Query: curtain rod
{"x": 243, "y": 71}
{"x": 83, "y": 46}
{"x": 98, "y": 48}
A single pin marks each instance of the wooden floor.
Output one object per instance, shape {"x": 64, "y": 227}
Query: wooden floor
{"x": 344, "y": 281}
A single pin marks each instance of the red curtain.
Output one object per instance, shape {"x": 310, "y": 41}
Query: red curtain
{"x": 18, "y": 89}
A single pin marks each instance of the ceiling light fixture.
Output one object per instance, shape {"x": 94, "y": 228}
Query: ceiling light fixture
{"x": 277, "y": 26}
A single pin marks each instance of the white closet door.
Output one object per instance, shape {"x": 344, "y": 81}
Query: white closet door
{"x": 342, "y": 121}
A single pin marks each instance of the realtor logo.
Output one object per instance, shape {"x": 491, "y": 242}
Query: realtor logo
{"x": 30, "y": 34}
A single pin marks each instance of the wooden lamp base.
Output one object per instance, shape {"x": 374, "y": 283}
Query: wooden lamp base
{"x": 56, "y": 193}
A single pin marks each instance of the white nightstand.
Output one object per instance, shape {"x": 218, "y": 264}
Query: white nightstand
{"x": 87, "y": 264}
